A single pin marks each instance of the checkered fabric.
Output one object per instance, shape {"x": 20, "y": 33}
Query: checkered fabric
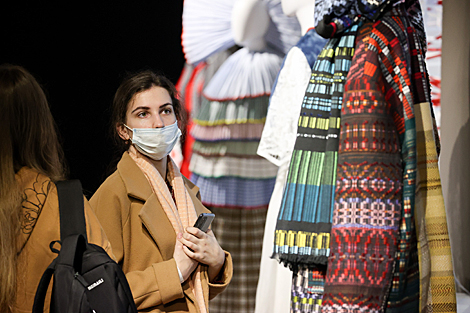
{"x": 307, "y": 290}
{"x": 232, "y": 192}
{"x": 415, "y": 15}
{"x": 239, "y": 231}
{"x": 343, "y": 13}
{"x": 369, "y": 191}
{"x": 436, "y": 271}
{"x": 370, "y": 9}
{"x": 391, "y": 41}
{"x": 435, "y": 258}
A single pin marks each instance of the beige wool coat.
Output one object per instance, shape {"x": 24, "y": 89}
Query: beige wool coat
{"x": 143, "y": 241}
{"x": 40, "y": 225}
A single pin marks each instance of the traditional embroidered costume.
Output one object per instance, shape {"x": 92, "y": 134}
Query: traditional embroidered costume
{"x": 369, "y": 222}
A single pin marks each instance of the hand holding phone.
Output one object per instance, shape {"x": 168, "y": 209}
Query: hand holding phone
{"x": 206, "y": 249}
{"x": 204, "y": 221}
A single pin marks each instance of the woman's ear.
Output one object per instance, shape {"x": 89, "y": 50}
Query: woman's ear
{"x": 122, "y": 131}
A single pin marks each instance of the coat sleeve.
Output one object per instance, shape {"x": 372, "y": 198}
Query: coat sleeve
{"x": 95, "y": 233}
{"x": 223, "y": 279}
{"x": 145, "y": 285}
{"x": 106, "y": 204}
{"x": 112, "y": 206}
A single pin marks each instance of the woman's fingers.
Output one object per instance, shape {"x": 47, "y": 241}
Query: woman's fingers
{"x": 204, "y": 249}
{"x": 190, "y": 253}
{"x": 185, "y": 263}
{"x": 194, "y": 247}
{"x": 190, "y": 241}
{"x": 196, "y": 232}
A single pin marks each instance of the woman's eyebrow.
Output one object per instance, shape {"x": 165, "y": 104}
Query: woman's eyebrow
{"x": 148, "y": 108}
{"x": 163, "y": 105}
{"x": 141, "y": 107}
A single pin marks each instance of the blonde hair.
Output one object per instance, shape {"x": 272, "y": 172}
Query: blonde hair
{"x": 28, "y": 138}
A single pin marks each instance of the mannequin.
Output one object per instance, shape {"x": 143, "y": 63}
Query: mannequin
{"x": 238, "y": 95}
{"x": 275, "y": 282}
{"x": 303, "y": 10}
{"x": 250, "y": 22}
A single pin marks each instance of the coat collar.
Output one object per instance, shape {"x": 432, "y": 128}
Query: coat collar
{"x": 137, "y": 184}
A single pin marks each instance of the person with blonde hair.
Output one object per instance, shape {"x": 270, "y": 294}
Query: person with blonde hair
{"x": 31, "y": 161}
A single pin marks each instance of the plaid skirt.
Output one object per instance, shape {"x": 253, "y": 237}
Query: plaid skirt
{"x": 239, "y": 231}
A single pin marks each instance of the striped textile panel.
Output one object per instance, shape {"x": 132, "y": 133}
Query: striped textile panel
{"x": 216, "y": 167}
{"x": 234, "y": 148}
{"x": 239, "y": 111}
{"x": 247, "y": 132}
{"x": 304, "y": 222}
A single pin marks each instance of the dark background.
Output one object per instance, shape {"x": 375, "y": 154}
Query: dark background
{"x": 79, "y": 52}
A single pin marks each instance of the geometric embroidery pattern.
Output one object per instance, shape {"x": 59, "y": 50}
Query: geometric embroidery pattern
{"x": 373, "y": 242}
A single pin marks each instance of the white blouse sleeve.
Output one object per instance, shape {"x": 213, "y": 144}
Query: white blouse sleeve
{"x": 280, "y": 130}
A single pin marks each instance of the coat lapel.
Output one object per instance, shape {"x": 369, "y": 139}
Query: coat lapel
{"x": 159, "y": 226}
{"x": 136, "y": 183}
{"x": 152, "y": 214}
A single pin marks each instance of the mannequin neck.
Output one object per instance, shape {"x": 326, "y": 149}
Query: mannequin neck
{"x": 305, "y": 17}
{"x": 255, "y": 44}
{"x": 250, "y": 22}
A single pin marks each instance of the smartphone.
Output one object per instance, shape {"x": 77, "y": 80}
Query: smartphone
{"x": 204, "y": 221}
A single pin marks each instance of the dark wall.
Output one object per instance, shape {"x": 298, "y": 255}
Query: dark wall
{"x": 80, "y": 54}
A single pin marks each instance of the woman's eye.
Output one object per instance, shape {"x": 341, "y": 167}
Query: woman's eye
{"x": 167, "y": 111}
{"x": 142, "y": 114}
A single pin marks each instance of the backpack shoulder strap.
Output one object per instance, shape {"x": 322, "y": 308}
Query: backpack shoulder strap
{"x": 71, "y": 208}
{"x": 38, "y": 306}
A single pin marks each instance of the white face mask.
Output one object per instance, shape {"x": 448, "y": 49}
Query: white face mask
{"x": 156, "y": 143}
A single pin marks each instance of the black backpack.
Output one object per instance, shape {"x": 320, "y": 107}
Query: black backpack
{"x": 86, "y": 279}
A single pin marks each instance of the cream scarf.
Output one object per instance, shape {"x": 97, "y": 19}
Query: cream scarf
{"x": 181, "y": 215}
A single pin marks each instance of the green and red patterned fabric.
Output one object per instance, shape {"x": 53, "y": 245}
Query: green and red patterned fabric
{"x": 374, "y": 264}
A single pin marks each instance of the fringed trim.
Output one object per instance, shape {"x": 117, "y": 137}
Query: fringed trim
{"x": 295, "y": 262}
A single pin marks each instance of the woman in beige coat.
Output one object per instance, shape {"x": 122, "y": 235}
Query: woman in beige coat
{"x": 147, "y": 207}
{"x": 30, "y": 163}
